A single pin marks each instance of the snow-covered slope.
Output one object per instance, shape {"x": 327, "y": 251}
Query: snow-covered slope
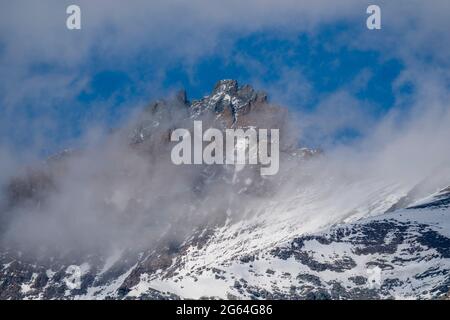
{"x": 410, "y": 248}
{"x": 405, "y": 252}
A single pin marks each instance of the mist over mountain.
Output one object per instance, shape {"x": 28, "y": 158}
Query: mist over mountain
{"x": 139, "y": 226}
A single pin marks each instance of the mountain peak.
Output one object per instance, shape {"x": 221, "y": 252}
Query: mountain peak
{"x": 229, "y": 98}
{"x": 227, "y": 86}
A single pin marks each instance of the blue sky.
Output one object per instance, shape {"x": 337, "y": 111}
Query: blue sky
{"x": 315, "y": 59}
{"x": 325, "y": 70}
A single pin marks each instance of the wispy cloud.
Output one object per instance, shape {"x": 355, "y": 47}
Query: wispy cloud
{"x": 45, "y": 67}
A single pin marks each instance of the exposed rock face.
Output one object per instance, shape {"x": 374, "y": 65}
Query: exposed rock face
{"x": 263, "y": 252}
{"x": 230, "y": 101}
{"x": 228, "y": 106}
